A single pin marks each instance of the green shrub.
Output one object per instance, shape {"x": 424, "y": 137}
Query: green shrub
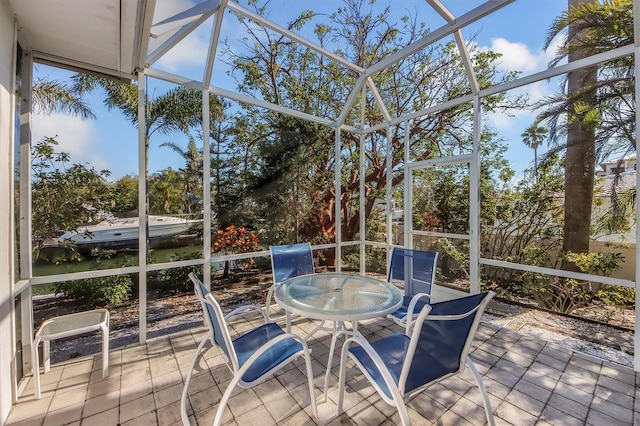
{"x": 174, "y": 280}
{"x": 454, "y": 258}
{"x": 618, "y": 297}
{"x": 95, "y": 292}
{"x": 564, "y": 294}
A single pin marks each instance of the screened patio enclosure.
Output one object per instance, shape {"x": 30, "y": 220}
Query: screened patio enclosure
{"x": 389, "y": 148}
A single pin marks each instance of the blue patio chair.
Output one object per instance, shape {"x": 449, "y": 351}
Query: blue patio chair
{"x": 401, "y": 365}
{"x": 252, "y": 357}
{"x": 288, "y": 261}
{"x": 417, "y": 270}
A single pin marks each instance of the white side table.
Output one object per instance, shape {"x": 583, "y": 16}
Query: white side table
{"x": 65, "y": 326}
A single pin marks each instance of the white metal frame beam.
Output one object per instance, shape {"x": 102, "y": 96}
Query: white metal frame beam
{"x": 213, "y": 45}
{"x": 184, "y": 31}
{"x": 293, "y": 36}
{"x": 636, "y": 56}
{"x": 468, "y": 18}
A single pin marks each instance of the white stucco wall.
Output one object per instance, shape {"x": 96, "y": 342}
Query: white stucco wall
{"x": 7, "y": 54}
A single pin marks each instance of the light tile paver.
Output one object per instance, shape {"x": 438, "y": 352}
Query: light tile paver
{"x": 515, "y": 415}
{"x": 136, "y": 408}
{"x": 529, "y": 381}
{"x": 568, "y": 406}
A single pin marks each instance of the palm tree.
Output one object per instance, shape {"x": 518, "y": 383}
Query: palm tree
{"x": 50, "y": 96}
{"x": 193, "y": 165}
{"x": 533, "y": 136}
{"x": 592, "y": 112}
{"x": 177, "y": 110}
{"x": 180, "y": 109}
{"x": 165, "y": 193}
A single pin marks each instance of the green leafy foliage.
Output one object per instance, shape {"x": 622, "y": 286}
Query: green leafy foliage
{"x": 294, "y": 76}
{"x": 563, "y": 294}
{"x": 596, "y": 263}
{"x": 61, "y": 192}
{"x": 522, "y": 223}
{"x": 174, "y": 280}
{"x": 620, "y": 297}
{"x": 454, "y": 258}
{"x": 95, "y": 292}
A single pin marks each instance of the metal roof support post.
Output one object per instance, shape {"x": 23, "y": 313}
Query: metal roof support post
{"x": 143, "y": 208}
{"x": 388, "y": 196}
{"x": 362, "y": 200}
{"x": 213, "y": 46}
{"x": 338, "y": 203}
{"x": 408, "y": 196}
{"x": 474, "y": 201}
{"x": 206, "y": 188}
{"x": 26, "y": 242}
{"x": 636, "y": 54}
{"x": 362, "y": 176}
{"x": 25, "y": 210}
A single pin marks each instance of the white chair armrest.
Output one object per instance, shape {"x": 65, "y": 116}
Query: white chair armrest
{"x": 245, "y": 309}
{"x": 412, "y": 306}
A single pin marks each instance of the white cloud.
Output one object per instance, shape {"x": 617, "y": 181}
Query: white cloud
{"x": 75, "y": 136}
{"x": 190, "y": 51}
{"x": 517, "y": 56}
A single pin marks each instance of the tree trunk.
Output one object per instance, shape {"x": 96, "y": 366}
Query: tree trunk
{"x": 580, "y": 159}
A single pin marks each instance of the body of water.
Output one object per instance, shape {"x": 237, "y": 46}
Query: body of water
{"x": 53, "y": 263}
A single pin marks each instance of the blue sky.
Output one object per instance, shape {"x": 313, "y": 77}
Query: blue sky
{"x": 109, "y": 142}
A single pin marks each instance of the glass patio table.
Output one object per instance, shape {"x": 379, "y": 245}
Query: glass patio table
{"x": 337, "y": 297}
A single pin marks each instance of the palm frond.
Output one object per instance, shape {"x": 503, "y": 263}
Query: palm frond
{"x": 49, "y": 96}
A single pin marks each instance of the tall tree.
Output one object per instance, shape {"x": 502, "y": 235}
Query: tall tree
{"x": 233, "y": 163}
{"x": 286, "y": 73}
{"x": 598, "y": 108}
{"x": 580, "y": 158}
{"x": 166, "y": 192}
{"x": 533, "y": 136}
{"x": 61, "y": 192}
{"x": 50, "y": 96}
{"x": 192, "y": 171}
{"x": 177, "y": 110}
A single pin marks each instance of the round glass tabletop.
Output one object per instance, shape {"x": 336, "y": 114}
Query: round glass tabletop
{"x": 338, "y": 296}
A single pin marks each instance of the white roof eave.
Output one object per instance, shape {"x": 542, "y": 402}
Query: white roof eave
{"x": 104, "y": 37}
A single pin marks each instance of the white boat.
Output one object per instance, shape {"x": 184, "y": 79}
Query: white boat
{"x": 123, "y": 232}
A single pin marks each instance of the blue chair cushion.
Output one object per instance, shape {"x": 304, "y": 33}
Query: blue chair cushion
{"x": 247, "y": 344}
{"x": 392, "y": 350}
{"x": 401, "y": 312}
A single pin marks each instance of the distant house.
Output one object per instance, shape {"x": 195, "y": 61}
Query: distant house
{"x": 614, "y": 177}
{"x": 617, "y": 166}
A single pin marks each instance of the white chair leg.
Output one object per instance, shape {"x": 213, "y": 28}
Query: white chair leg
{"x": 485, "y": 396}
{"x": 267, "y": 307}
{"x": 314, "y": 406}
{"x": 342, "y": 377}
{"x": 104, "y": 329}
{"x": 225, "y": 399}
{"x": 183, "y": 399}
{"x": 46, "y": 355}
{"x": 404, "y": 414}
{"x": 36, "y": 367}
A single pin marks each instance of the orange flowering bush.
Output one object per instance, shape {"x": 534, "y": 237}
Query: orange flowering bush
{"x": 233, "y": 240}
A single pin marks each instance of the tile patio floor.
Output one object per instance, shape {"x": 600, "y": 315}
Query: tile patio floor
{"x": 529, "y": 381}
